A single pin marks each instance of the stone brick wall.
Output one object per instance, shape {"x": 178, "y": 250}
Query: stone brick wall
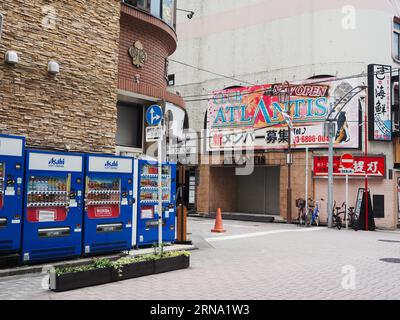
{"x": 78, "y": 106}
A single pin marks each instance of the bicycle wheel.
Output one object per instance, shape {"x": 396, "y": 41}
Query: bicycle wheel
{"x": 308, "y": 219}
{"x": 355, "y": 225}
{"x": 338, "y": 223}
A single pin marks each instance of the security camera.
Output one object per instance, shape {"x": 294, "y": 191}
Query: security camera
{"x": 178, "y": 93}
{"x": 137, "y": 78}
{"x": 190, "y": 15}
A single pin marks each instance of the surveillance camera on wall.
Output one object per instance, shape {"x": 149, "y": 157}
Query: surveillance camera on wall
{"x": 53, "y": 67}
{"x": 178, "y": 93}
{"x": 11, "y": 57}
{"x": 190, "y": 15}
{"x": 137, "y": 78}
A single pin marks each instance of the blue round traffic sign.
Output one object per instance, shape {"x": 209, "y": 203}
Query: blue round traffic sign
{"x": 154, "y": 115}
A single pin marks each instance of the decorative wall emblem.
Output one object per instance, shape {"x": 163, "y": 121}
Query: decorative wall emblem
{"x": 138, "y": 54}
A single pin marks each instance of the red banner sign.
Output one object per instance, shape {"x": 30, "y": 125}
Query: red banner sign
{"x": 373, "y": 166}
{"x": 103, "y": 212}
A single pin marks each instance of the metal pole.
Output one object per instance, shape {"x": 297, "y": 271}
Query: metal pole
{"x": 347, "y": 201}
{"x": 289, "y": 163}
{"x": 160, "y": 214}
{"x": 330, "y": 174}
{"x": 365, "y": 160}
{"x": 306, "y": 197}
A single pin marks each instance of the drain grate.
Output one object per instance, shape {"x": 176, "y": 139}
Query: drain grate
{"x": 389, "y": 241}
{"x": 390, "y": 260}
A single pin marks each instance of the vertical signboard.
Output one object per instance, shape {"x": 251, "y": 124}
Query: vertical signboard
{"x": 379, "y": 102}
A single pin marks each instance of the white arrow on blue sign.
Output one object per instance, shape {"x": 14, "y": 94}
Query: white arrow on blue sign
{"x": 154, "y": 115}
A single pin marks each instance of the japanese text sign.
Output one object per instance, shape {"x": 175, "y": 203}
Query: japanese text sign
{"x": 373, "y": 166}
{"x": 253, "y": 117}
{"x": 380, "y": 102}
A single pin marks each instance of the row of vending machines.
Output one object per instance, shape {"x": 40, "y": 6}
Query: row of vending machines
{"x": 55, "y": 205}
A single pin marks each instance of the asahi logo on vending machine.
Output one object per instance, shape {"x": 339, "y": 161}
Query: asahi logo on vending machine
{"x": 57, "y": 163}
{"x": 113, "y": 165}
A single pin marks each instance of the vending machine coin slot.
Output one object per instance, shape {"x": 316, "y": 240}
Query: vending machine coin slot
{"x": 108, "y": 228}
{"x": 54, "y": 232}
{"x": 3, "y": 222}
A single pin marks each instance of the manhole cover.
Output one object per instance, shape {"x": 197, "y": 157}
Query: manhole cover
{"x": 389, "y": 241}
{"x": 390, "y": 260}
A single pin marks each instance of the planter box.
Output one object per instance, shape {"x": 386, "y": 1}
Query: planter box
{"x": 95, "y": 277}
{"x": 78, "y": 280}
{"x": 134, "y": 270}
{"x": 171, "y": 264}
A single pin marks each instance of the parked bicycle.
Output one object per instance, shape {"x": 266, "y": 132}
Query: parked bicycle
{"x": 301, "y": 204}
{"x": 314, "y": 214}
{"x": 308, "y": 216}
{"x": 336, "y": 213}
{"x": 352, "y": 218}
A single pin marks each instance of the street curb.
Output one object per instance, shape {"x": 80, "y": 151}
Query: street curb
{"x": 79, "y": 262}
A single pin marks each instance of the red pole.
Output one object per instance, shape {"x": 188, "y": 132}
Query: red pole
{"x": 365, "y": 160}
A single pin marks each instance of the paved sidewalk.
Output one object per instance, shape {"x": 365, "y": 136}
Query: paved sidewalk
{"x": 256, "y": 261}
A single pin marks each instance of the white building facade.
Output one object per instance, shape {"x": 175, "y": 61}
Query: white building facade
{"x": 257, "y": 42}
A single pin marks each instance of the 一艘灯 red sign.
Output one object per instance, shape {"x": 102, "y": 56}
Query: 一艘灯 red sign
{"x": 372, "y": 166}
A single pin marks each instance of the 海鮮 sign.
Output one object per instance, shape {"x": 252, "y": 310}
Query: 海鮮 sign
{"x": 380, "y": 102}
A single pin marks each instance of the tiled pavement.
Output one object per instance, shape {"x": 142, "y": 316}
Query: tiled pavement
{"x": 258, "y": 261}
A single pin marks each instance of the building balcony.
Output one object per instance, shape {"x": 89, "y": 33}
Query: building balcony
{"x": 164, "y": 10}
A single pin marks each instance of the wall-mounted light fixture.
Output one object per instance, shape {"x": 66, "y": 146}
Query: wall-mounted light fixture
{"x": 53, "y": 67}
{"x": 11, "y": 57}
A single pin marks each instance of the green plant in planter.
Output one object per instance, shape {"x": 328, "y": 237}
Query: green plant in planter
{"x": 74, "y": 269}
{"x": 97, "y": 263}
{"x": 101, "y": 263}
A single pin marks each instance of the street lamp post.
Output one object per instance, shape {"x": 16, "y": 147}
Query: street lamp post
{"x": 342, "y": 102}
{"x": 284, "y": 97}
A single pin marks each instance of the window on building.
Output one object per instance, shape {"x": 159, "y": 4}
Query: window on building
{"x": 168, "y": 12}
{"x": 129, "y": 125}
{"x": 396, "y": 38}
{"x": 163, "y": 9}
{"x": 156, "y": 8}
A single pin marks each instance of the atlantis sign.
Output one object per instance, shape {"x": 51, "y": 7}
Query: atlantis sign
{"x": 253, "y": 118}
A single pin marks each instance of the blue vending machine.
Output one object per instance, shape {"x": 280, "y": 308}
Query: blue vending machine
{"x": 11, "y": 192}
{"x": 147, "y": 204}
{"x": 52, "y": 225}
{"x": 109, "y": 202}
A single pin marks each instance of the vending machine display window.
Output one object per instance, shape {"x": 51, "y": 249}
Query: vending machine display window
{"x": 149, "y": 184}
{"x": 103, "y": 197}
{"x": 2, "y": 169}
{"x": 48, "y": 198}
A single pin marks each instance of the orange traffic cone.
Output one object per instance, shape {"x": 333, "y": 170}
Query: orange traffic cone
{"x": 218, "y": 223}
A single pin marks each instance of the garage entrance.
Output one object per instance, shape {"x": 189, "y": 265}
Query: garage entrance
{"x": 258, "y": 193}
